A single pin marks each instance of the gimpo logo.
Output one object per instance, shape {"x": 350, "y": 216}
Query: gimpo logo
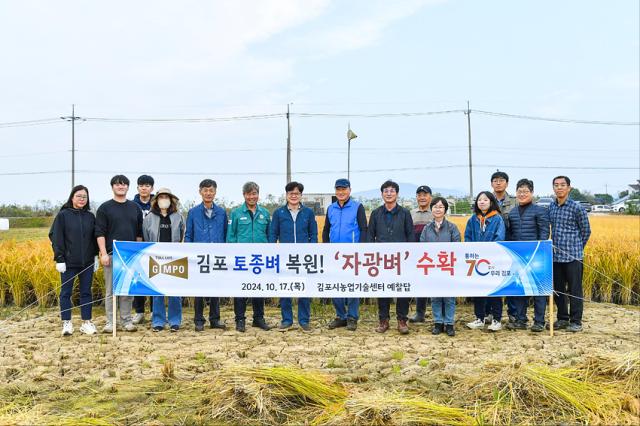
{"x": 176, "y": 268}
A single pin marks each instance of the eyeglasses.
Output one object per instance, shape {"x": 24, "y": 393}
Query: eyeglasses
{"x": 523, "y": 192}
{"x": 80, "y": 197}
{"x": 294, "y": 194}
{"x": 389, "y": 191}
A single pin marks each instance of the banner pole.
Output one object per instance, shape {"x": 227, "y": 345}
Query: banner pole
{"x": 551, "y": 315}
{"x": 113, "y": 314}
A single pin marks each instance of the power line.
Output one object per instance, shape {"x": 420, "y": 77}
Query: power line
{"x": 30, "y": 123}
{"x": 373, "y": 115}
{"x": 557, "y": 120}
{"x": 186, "y": 120}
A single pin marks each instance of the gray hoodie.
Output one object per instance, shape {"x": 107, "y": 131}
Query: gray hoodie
{"x": 151, "y": 227}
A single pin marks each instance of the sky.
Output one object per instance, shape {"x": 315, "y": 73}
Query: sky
{"x": 375, "y": 65}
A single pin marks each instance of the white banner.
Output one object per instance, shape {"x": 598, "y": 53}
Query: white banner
{"x": 333, "y": 270}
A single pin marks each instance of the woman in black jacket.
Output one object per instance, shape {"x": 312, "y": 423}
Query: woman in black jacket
{"x": 74, "y": 247}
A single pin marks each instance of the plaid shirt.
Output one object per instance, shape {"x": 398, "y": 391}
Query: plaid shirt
{"x": 570, "y": 231}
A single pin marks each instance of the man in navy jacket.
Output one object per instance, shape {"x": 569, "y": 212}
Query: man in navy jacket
{"x": 527, "y": 222}
{"x": 207, "y": 223}
{"x": 294, "y": 223}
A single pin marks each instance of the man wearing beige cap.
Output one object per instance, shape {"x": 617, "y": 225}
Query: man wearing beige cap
{"x": 421, "y": 216}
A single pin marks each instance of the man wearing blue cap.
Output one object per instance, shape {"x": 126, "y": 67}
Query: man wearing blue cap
{"x": 346, "y": 222}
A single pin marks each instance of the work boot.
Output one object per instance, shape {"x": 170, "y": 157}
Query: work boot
{"x": 337, "y": 323}
{"x": 559, "y": 325}
{"x": 352, "y": 324}
{"x": 403, "y": 328}
{"x": 450, "y": 330}
{"x": 240, "y": 326}
{"x": 383, "y": 326}
{"x": 261, "y": 323}
{"x": 217, "y": 324}
{"x": 437, "y": 329}
{"x": 416, "y": 318}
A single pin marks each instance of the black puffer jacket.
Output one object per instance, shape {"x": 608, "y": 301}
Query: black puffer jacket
{"x": 72, "y": 238}
{"x": 531, "y": 226}
{"x": 399, "y": 230}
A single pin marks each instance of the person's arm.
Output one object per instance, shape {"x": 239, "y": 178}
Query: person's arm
{"x": 182, "y": 226}
{"x": 583, "y": 225}
{"x": 313, "y": 228}
{"x": 408, "y": 228}
{"x": 139, "y": 226}
{"x": 423, "y": 235}
{"x": 188, "y": 234}
{"x": 225, "y": 225}
{"x": 500, "y": 230}
{"x": 371, "y": 230}
{"x": 100, "y": 232}
{"x": 274, "y": 229}
{"x": 362, "y": 223}
{"x": 326, "y": 228}
{"x": 455, "y": 233}
{"x": 56, "y": 236}
{"x": 542, "y": 222}
{"x": 232, "y": 230}
{"x": 468, "y": 233}
{"x": 145, "y": 228}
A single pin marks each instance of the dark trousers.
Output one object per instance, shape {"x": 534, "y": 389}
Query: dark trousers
{"x": 512, "y": 306}
{"x": 138, "y": 304}
{"x": 522, "y": 303}
{"x": 402, "y": 308}
{"x": 68, "y": 278}
{"x": 483, "y": 306}
{"x": 214, "y": 309}
{"x": 421, "y": 306}
{"x": 567, "y": 278}
{"x": 240, "y": 307}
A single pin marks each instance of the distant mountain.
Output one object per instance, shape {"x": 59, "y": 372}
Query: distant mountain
{"x": 408, "y": 190}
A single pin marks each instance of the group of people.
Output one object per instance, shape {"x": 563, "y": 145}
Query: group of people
{"x": 77, "y": 236}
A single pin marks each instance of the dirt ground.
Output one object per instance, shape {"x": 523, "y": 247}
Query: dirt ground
{"x": 33, "y": 354}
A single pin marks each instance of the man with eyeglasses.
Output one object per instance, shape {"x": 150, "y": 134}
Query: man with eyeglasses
{"x": 294, "y": 223}
{"x": 570, "y": 231}
{"x": 391, "y": 223}
{"x": 529, "y": 222}
{"x": 421, "y": 216}
{"x": 499, "y": 184}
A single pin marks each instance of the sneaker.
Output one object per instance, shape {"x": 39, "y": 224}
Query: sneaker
{"x": 450, "y": 330}
{"x": 305, "y": 327}
{"x": 559, "y": 325}
{"x": 261, "y": 323}
{"x": 129, "y": 326}
{"x": 403, "y": 328}
{"x": 574, "y": 328}
{"x": 352, "y": 324}
{"x": 477, "y": 324}
{"x": 67, "y": 328}
{"x": 138, "y": 318}
{"x": 517, "y": 325}
{"x": 495, "y": 326}
{"x": 88, "y": 328}
{"x": 537, "y": 327}
{"x": 337, "y": 323}
{"x": 416, "y": 318}
{"x": 488, "y": 319}
{"x": 108, "y": 328}
{"x": 437, "y": 329}
{"x": 383, "y": 326}
{"x": 284, "y": 326}
{"x": 218, "y": 324}
{"x": 199, "y": 327}
{"x": 240, "y": 326}
{"x": 157, "y": 328}
{"x": 174, "y": 328}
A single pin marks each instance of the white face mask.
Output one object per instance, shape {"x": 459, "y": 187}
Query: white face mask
{"x": 164, "y": 203}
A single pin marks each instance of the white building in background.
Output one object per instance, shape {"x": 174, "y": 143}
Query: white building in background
{"x": 318, "y": 201}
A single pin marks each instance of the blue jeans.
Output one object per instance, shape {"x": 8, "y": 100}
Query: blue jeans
{"x": 304, "y": 310}
{"x": 347, "y": 307}
{"x": 68, "y": 277}
{"x": 512, "y": 306}
{"x": 159, "y": 314}
{"x": 539, "y": 308}
{"x": 444, "y": 309}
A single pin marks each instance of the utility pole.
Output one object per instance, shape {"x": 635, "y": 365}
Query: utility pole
{"x": 468, "y": 113}
{"x": 73, "y": 119}
{"x": 288, "y": 146}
